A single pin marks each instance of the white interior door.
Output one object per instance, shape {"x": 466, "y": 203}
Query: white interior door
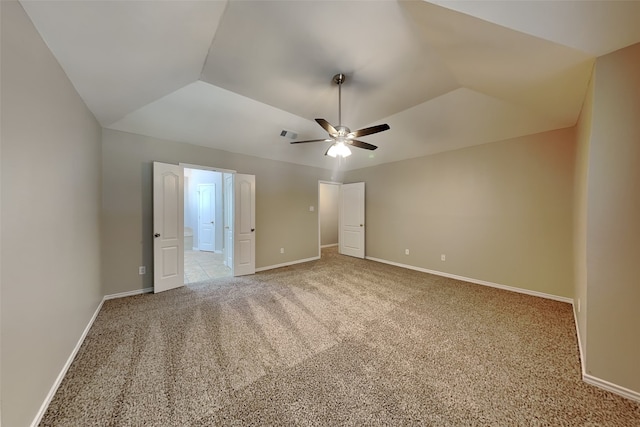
{"x": 351, "y": 239}
{"x": 206, "y": 217}
{"x": 168, "y": 227}
{"x": 228, "y": 220}
{"x": 245, "y": 225}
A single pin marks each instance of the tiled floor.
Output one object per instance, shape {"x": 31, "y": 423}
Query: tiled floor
{"x": 200, "y": 266}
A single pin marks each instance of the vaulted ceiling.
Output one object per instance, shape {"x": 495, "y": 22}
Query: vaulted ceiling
{"x": 233, "y": 74}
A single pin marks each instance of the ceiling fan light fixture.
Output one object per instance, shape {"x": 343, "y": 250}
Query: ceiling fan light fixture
{"x": 339, "y": 149}
{"x": 340, "y": 135}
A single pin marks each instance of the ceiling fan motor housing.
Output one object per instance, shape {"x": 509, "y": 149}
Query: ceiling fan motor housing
{"x": 343, "y": 130}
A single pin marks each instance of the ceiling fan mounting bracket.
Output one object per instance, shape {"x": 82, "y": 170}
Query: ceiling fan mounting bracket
{"x": 339, "y": 78}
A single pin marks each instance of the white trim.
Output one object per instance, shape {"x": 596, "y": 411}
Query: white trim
{"x": 582, "y": 361}
{"x": 128, "y": 293}
{"x": 286, "y": 264}
{"x": 328, "y": 246}
{"x": 613, "y": 388}
{"x": 67, "y": 365}
{"x": 65, "y": 368}
{"x": 597, "y": 382}
{"x": 205, "y": 168}
{"x": 476, "y": 281}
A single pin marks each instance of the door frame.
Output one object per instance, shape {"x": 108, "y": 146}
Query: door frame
{"x": 319, "y": 208}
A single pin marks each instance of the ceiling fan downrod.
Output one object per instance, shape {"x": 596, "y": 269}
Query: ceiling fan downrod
{"x": 339, "y": 79}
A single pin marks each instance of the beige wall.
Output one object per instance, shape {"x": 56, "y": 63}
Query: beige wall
{"x": 284, "y": 193}
{"x": 50, "y": 218}
{"x": 583, "y": 137}
{"x": 500, "y": 212}
{"x": 329, "y": 200}
{"x": 613, "y": 221}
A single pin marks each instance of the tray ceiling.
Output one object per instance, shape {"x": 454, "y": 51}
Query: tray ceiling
{"x": 232, "y": 75}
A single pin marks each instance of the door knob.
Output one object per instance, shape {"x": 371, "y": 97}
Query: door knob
{"x": 156, "y": 235}
{"x": 211, "y": 222}
{"x": 361, "y": 225}
{"x": 253, "y": 229}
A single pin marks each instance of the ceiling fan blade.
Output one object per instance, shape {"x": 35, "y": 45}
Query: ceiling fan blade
{"x": 368, "y": 131}
{"x": 310, "y": 140}
{"x": 327, "y": 126}
{"x": 361, "y": 144}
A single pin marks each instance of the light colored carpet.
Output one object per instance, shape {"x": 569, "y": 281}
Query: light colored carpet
{"x": 339, "y": 341}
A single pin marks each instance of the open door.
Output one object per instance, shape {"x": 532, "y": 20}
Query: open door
{"x": 245, "y": 225}
{"x": 228, "y": 220}
{"x": 351, "y": 227}
{"x": 206, "y": 216}
{"x": 168, "y": 227}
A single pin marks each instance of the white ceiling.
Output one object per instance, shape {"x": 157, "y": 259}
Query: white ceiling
{"x": 233, "y": 74}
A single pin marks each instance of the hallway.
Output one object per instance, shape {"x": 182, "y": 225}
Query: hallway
{"x": 200, "y": 266}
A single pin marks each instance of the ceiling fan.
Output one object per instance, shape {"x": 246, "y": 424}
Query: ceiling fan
{"x": 341, "y": 136}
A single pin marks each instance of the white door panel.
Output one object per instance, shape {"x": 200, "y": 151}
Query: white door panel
{"x": 168, "y": 225}
{"x": 352, "y": 226}
{"x": 228, "y": 220}
{"x": 206, "y": 217}
{"x": 244, "y": 229}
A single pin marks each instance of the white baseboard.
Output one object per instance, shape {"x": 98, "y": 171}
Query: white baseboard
{"x": 580, "y": 350}
{"x": 595, "y": 381}
{"x": 65, "y": 368}
{"x": 477, "y": 282}
{"x": 613, "y": 388}
{"x": 328, "y": 246}
{"x": 129, "y": 293}
{"x": 286, "y": 264}
{"x": 67, "y": 365}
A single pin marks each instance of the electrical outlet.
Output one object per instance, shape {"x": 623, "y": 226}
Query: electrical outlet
{"x": 443, "y": 257}
{"x": 406, "y": 251}
{"x": 281, "y": 250}
{"x": 142, "y": 270}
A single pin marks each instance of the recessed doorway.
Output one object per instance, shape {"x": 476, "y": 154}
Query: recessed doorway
{"x": 341, "y": 217}
{"x": 206, "y": 255}
{"x": 328, "y": 213}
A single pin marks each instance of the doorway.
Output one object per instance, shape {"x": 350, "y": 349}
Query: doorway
{"x": 206, "y": 253}
{"x": 328, "y": 214}
{"x": 341, "y": 218}
{"x": 172, "y": 198}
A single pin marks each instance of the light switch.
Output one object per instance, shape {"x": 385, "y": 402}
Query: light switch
{"x": 312, "y": 208}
